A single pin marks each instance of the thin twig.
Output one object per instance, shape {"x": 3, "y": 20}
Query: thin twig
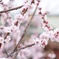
{"x": 11, "y": 9}
{"x": 26, "y": 46}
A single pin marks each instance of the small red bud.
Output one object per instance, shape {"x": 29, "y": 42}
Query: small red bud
{"x": 40, "y": 13}
{"x": 45, "y": 22}
{"x": 40, "y": 8}
{"x": 16, "y": 23}
{"x": 57, "y": 32}
{"x": 43, "y": 17}
{"x": 37, "y": 4}
{"x": 32, "y": 1}
{"x": 23, "y": 10}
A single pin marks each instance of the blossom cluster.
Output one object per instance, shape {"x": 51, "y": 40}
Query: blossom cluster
{"x": 11, "y": 31}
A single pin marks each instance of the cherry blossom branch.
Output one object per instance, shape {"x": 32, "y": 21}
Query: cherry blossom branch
{"x": 24, "y": 34}
{"x": 26, "y": 27}
{"x": 11, "y": 9}
{"x": 27, "y": 46}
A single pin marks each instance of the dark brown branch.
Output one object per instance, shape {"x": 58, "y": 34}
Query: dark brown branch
{"x": 11, "y": 9}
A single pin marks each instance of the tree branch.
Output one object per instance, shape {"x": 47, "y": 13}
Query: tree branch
{"x": 26, "y": 29}
{"x": 21, "y": 49}
{"x": 24, "y": 33}
{"x": 11, "y": 9}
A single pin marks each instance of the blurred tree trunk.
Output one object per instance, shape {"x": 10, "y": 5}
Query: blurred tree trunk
{"x": 57, "y": 53}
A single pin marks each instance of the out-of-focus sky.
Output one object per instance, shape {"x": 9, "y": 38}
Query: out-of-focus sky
{"x": 50, "y": 5}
